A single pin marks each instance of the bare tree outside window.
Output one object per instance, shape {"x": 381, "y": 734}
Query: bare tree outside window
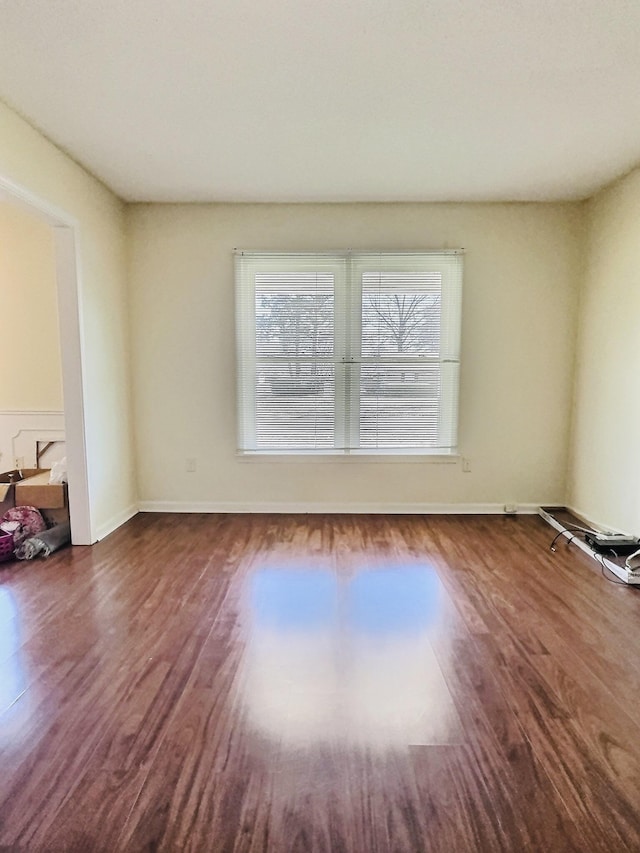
{"x": 295, "y": 327}
{"x": 400, "y": 323}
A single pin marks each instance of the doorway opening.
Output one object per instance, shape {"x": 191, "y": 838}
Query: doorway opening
{"x": 68, "y": 286}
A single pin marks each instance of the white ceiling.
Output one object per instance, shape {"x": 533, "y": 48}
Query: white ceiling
{"x": 334, "y": 100}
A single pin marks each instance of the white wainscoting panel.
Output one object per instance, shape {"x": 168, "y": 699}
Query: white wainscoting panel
{"x": 19, "y": 432}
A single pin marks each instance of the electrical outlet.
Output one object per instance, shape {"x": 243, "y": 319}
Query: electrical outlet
{"x": 466, "y": 465}
{"x": 19, "y": 461}
{"x": 190, "y": 465}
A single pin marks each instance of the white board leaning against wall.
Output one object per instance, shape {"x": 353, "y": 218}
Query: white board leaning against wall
{"x": 22, "y": 432}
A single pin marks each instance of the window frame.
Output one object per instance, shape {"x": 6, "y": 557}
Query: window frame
{"x": 347, "y": 268}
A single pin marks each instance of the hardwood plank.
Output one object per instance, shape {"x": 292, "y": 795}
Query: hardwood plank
{"x": 318, "y": 683}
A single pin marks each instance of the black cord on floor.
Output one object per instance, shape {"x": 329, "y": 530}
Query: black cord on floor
{"x": 568, "y": 531}
{"x": 552, "y": 547}
{"x": 599, "y": 557}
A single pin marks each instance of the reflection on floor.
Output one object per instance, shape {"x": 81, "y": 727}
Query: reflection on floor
{"x": 12, "y": 677}
{"x": 319, "y": 684}
{"x": 346, "y": 658}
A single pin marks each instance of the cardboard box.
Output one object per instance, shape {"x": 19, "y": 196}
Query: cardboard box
{"x": 7, "y": 498}
{"x": 35, "y": 490}
{"x": 7, "y": 486}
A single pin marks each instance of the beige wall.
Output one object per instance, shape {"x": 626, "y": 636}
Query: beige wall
{"x": 523, "y": 267}
{"x": 31, "y": 377}
{"x": 605, "y": 477}
{"x": 30, "y": 161}
{"x": 519, "y": 315}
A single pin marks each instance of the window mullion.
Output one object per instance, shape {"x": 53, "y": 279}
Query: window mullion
{"x": 354, "y": 291}
{"x": 341, "y": 327}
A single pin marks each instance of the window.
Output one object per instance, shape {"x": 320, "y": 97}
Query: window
{"x": 348, "y": 352}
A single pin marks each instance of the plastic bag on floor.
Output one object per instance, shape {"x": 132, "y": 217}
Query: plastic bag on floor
{"x": 44, "y": 543}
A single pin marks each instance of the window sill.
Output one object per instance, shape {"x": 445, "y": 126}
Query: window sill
{"x": 355, "y": 457}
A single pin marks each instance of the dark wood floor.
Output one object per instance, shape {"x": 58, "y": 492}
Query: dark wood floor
{"x": 319, "y": 683}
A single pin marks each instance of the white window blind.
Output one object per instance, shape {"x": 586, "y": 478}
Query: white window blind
{"x": 348, "y": 352}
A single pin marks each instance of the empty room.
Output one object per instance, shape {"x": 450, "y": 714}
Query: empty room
{"x": 333, "y": 366}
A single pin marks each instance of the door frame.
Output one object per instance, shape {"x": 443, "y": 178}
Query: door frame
{"x": 69, "y": 288}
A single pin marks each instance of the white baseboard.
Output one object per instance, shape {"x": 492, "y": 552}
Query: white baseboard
{"x": 116, "y": 521}
{"x": 310, "y": 508}
{"x": 337, "y": 508}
